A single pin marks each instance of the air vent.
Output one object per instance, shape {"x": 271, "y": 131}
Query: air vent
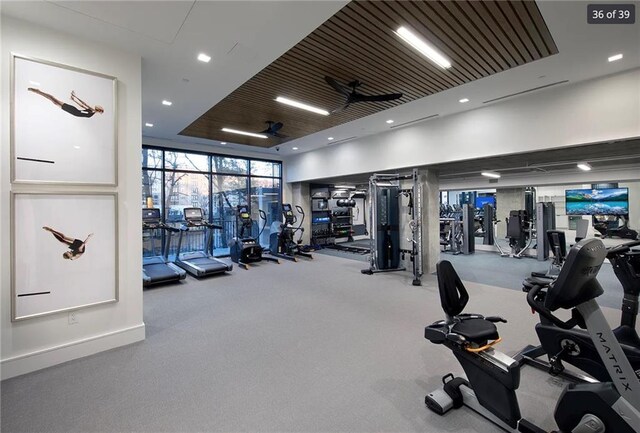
{"x": 414, "y": 121}
{"x": 493, "y": 180}
{"x": 526, "y": 91}
{"x": 331, "y": 143}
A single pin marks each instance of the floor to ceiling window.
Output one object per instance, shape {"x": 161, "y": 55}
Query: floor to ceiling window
{"x": 174, "y": 180}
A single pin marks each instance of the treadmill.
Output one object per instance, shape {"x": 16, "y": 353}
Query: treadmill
{"x": 158, "y": 269}
{"x": 199, "y": 263}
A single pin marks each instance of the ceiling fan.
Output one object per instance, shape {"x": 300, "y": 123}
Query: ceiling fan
{"x": 273, "y": 128}
{"x": 350, "y": 92}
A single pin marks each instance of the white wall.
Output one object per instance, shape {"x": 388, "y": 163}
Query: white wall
{"x": 587, "y": 112}
{"x": 41, "y": 342}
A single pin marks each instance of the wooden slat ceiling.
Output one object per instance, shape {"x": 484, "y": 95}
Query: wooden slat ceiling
{"x": 480, "y": 38}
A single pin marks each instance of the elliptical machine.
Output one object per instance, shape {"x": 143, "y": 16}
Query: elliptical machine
{"x": 281, "y": 242}
{"x": 247, "y": 249}
{"x": 494, "y": 377}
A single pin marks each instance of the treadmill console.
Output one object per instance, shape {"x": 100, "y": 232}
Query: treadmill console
{"x": 193, "y": 216}
{"x": 150, "y": 217}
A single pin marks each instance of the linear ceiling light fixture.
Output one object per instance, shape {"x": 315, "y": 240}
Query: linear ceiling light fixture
{"x": 491, "y": 174}
{"x": 302, "y": 105}
{"x": 616, "y": 57}
{"x": 250, "y": 134}
{"x": 584, "y": 166}
{"x": 423, "y": 47}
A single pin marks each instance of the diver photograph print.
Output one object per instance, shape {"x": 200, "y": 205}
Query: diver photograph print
{"x": 64, "y": 251}
{"x": 63, "y": 124}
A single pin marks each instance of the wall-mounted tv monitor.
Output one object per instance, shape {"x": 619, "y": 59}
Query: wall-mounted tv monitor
{"x": 605, "y": 201}
{"x": 481, "y": 201}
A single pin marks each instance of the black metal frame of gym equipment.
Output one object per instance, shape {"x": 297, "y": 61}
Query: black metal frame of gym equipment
{"x": 245, "y": 250}
{"x": 282, "y": 244}
{"x": 545, "y": 221}
{"x": 391, "y": 184}
{"x": 518, "y": 254}
{"x": 460, "y": 239}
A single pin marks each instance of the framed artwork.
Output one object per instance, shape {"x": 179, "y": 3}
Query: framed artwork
{"x": 64, "y": 252}
{"x": 63, "y": 124}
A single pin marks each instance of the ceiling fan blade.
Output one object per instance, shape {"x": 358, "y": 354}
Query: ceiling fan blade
{"x": 282, "y": 136}
{"x": 376, "y": 98}
{"x": 276, "y": 127}
{"x": 341, "y": 108}
{"x": 337, "y": 86}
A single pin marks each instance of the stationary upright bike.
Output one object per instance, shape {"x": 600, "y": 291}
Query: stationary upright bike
{"x": 281, "y": 242}
{"x": 244, "y": 248}
{"x": 493, "y": 377}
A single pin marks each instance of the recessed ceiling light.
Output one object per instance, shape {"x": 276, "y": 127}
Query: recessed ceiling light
{"x": 204, "y": 58}
{"x": 584, "y": 166}
{"x": 424, "y": 48}
{"x": 223, "y": 142}
{"x": 250, "y": 134}
{"x": 463, "y": 100}
{"x": 294, "y": 148}
{"x": 330, "y": 138}
{"x": 76, "y": 147}
{"x": 149, "y": 125}
{"x": 389, "y": 121}
{"x": 34, "y": 83}
{"x": 302, "y": 105}
{"x": 491, "y": 174}
{"x": 167, "y": 103}
{"x": 616, "y": 57}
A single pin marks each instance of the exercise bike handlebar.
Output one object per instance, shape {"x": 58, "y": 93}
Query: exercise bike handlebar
{"x": 621, "y": 249}
{"x": 263, "y": 217}
{"x": 538, "y": 306}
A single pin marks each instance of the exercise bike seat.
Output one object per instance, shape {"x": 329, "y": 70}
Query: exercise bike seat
{"x": 454, "y": 297}
{"x": 477, "y": 331}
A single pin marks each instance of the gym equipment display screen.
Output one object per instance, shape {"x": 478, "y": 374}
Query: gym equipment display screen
{"x": 481, "y": 201}
{"x": 607, "y": 201}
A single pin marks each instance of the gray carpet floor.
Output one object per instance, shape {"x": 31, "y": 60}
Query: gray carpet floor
{"x": 492, "y": 269}
{"x": 313, "y": 346}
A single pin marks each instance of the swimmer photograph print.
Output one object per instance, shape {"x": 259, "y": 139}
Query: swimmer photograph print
{"x": 63, "y": 125}
{"x": 64, "y": 250}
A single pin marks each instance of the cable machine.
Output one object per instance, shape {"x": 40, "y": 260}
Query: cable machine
{"x": 385, "y": 194}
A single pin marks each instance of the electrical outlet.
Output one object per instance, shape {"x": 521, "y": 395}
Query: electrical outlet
{"x": 73, "y": 317}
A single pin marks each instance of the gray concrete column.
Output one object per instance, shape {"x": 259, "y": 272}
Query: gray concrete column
{"x": 300, "y": 196}
{"x": 507, "y": 199}
{"x": 430, "y": 220}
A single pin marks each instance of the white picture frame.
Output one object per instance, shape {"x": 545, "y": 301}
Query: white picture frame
{"x": 57, "y": 137}
{"x": 51, "y": 271}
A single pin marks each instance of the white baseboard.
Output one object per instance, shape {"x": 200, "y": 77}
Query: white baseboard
{"x": 37, "y": 360}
